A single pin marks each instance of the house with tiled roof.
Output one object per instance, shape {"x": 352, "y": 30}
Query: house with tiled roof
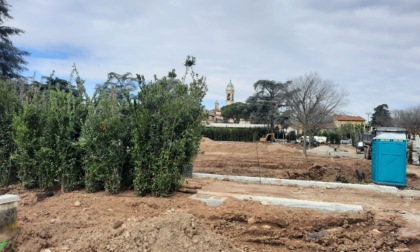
{"x": 339, "y": 120}
{"x": 215, "y": 115}
{"x": 329, "y": 127}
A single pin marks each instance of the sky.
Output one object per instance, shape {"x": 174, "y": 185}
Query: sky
{"x": 369, "y": 48}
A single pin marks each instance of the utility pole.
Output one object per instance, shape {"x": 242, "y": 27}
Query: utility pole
{"x": 368, "y": 114}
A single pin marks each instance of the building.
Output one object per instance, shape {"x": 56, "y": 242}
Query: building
{"x": 329, "y": 127}
{"x": 339, "y": 120}
{"x": 215, "y": 115}
{"x": 230, "y": 92}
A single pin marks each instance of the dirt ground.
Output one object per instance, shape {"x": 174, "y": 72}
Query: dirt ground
{"x": 275, "y": 160}
{"x": 79, "y": 221}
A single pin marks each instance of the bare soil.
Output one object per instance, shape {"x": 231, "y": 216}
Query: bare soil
{"x": 79, "y": 221}
{"x": 335, "y": 163}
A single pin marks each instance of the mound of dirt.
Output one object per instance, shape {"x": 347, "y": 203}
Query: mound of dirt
{"x": 315, "y": 172}
{"x": 78, "y": 221}
{"x": 175, "y": 231}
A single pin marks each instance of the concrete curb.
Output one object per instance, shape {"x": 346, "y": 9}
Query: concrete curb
{"x": 216, "y": 198}
{"x": 306, "y": 183}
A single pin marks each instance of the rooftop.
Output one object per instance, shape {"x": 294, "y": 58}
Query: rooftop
{"x": 349, "y": 118}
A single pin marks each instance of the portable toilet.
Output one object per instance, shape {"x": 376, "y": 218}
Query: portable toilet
{"x": 389, "y": 159}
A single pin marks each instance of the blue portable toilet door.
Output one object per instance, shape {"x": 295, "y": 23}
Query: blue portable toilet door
{"x": 389, "y": 163}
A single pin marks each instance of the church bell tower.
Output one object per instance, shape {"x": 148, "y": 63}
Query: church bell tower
{"x": 230, "y": 92}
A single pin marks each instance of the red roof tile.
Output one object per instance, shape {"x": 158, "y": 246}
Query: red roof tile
{"x": 349, "y": 118}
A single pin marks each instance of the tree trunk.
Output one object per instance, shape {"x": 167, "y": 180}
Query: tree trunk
{"x": 62, "y": 183}
{"x": 304, "y": 142}
{"x": 272, "y": 125}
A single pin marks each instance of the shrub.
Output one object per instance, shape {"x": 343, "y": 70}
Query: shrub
{"x": 26, "y": 135}
{"x": 58, "y": 155}
{"x": 104, "y": 139}
{"x": 10, "y": 106}
{"x": 46, "y": 135}
{"x": 167, "y": 116}
{"x": 236, "y": 134}
{"x": 142, "y": 142}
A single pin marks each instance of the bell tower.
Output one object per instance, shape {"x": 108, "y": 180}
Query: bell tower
{"x": 230, "y": 92}
{"x": 216, "y": 105}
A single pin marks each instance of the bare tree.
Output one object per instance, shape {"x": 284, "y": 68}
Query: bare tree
{"x": 409, "y": 119}
{"x": 398, "y": 116}
{"x": 312, "y": 100}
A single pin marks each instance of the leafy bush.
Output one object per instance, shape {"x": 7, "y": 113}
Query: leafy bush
{"x": 27, "y": 134}
{"x": 167, "y": 117}
{"x": 46, "y": 133}
{"x": 332, "y": 136}
{"x": 10, "y": 106}
{"x": 58, "y": 155}
{"x": 104, "y": 139}
{"x": 112, "y": 141}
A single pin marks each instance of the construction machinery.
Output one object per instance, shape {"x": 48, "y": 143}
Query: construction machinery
{"x": 270, "y": 137}
{"x": 368, "y": 137}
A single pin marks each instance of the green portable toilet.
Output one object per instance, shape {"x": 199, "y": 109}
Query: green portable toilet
{"x": 389, "y": 159}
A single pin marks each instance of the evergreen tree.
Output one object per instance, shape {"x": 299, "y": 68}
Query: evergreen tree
{"x": 120, "y": 83}
{"x": 12, "y": 62}
{"x": 235, "y": 111}
{"x": 382, "y": 116}
{"x": 264, "y": 105}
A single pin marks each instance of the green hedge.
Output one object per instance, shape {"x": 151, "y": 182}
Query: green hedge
{"x": 61, "y": 137}
{"x": 10, "y": 106}
{"x": 237, "y": 134}
{"x": 46, "y": 135}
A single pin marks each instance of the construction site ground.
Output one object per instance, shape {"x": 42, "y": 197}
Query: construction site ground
{"x": 79, "y": 221}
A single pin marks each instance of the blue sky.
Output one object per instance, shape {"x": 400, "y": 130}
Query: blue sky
{"x": 370, "y": 48}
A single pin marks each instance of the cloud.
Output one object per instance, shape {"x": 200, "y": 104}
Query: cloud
{"x": 368, "y": 47}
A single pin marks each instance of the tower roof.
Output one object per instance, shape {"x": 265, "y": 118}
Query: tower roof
{"x": 230, "y": 86}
